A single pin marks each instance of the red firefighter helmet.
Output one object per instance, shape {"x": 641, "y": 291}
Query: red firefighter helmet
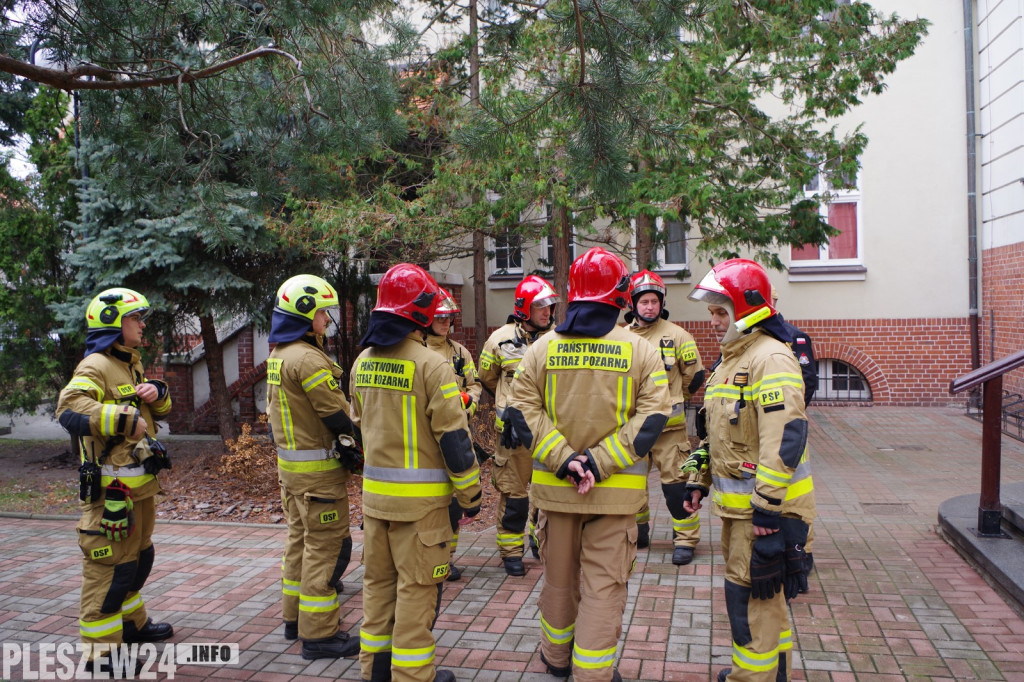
{"x": 533, "y": 290}
{"x": 447, "y": 307}
{"x": 646, "y": 281}
{"x": 601, "y": 277}
{"x": 408, "y": 291}
{"x": 740, "y": 285}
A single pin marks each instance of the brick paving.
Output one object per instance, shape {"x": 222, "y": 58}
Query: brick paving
{"x": 890, "y": 599}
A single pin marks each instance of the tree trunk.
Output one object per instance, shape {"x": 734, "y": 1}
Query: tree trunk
{"x": 644, "y": 237}
{"x": 218, "y": 383}
{"x": 479, "y": 249}
{"x": 561, "y": 233}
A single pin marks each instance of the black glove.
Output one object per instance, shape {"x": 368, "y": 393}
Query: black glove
{"x": 794, "y": 534}
{"x": 589, "y": 465}
{"x": 481, "y": 454}
{"x": 767, "y": 566}
{"x": 157, "y": 461}
{"x": 509, "y": 439}
{"x": 118, "y": 521}
{"x": 350, "y": 454}
{"x": 700, "y": 423}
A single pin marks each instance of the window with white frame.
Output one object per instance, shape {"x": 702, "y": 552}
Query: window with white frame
{"x": 508, "y": 253}
{"x": 841, "y": 381}
{"x": 668, "y": 249}
{"x": 840, "y": 208}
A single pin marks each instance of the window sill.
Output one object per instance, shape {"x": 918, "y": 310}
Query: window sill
{"x": 674, "y": 276}
{"x": 504, "y": 281}
{"x": 827, "y": 273}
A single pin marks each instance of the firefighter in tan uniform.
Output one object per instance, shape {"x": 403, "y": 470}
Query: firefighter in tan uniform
{"x": 589, "y": 401}
{"x": 308, "y": 411}
{"x": 408, "y": 405}
{"x": 678, "y": 350}
{"x": 533, "y": 309}
{"x": 759, "y": 469}
{"x": 461, "y": 361}
{"x": 111, "y": 409}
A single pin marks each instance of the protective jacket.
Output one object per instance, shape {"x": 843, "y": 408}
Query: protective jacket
{"x": 303, "y": 392}
{"x": 682, "y": 364}
{"x": 100, "y": 408}
{"x": 499, "y": 359}
{"x": 555, "y": 413}
{"x": 461, "y": 361}
{"x": 757, "y": 431}
{"x": 424, "y": 454}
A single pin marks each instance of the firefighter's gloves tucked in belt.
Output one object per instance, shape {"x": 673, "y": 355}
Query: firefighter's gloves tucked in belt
{"x": 696, "y": 463}
{"x": 118, "y": 521}
{"x": 509, "y": 439}
{"x": 767, "y": 560}
{"x": 350, "y": 454}
{"x": 794, "y": 534}
{"x": 158, "y": 458}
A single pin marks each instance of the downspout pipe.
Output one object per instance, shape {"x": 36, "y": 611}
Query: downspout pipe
{"x": 972, "y": 184}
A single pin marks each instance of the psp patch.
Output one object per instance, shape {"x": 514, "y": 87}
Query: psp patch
{"x": 329, "y": 516}
{"x": 441, "y": 570}
{"x": 772, "y": 399}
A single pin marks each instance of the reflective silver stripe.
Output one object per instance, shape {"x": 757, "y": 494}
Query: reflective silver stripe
{"x": 122, "y": 472}
{"x": 396, "y": 475}
{"x": 677, "y": 410}
{"x": 304, "y": 455}
{"x": 733, "y": 485}
{"x": 803, "y": 470}
{"x": 499, "y": 413}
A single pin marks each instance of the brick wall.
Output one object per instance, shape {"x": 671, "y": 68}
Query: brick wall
{"x": 1001, "y": 326}
{"x": 905, "y": 361}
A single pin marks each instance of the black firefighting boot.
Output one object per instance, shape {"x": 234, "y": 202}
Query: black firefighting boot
{"x": 723, "y": 673}
{"x": 291, "y": 629}
{"x": 643, "y": 535}
{"x": 514, "y": 565}
{"x": 682, "y": 555}
{"x": 441, "y": 675}
{"x": 150, "y": 632}
{"x": 554, "y": 669}
{"x": 339, "y": 646}
{"x": 454, "y": 572}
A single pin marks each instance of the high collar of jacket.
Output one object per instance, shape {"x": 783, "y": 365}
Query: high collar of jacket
{"x": 738, "y": 346}
{"x": 435, "y": 342}
{"x": 386, "y": 329}
{"x": 589, "y": 318}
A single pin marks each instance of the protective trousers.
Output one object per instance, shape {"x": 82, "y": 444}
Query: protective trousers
{"x": 667, "y": 455}
{"x": 510, "y": 476}
{"x": 316, "y": 554}
{"x": 405, "y": 564}
{"x": 762, "y": 640}
{"x": 112, "y": 575}
{"x": 588, "y": 559}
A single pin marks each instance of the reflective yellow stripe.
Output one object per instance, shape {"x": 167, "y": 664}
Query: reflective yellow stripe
{"x": 412, "y": 455}
{"x": 511, "y": 539}
{"x": 463, "y": 482}
{"x": 778, "y": 380}
{"x": 549, "y": 398}
{"x": 660, "y": 378}
{"x": 644, "y": 516}
{"x": 449, "y": 390}
{"x": 780, "y": 479}
{"x": 315, "y": 380}
{"x": 290, "y": 587}
{"x": 393, "y": 489}
{"x": 800, "y": 488}
{"x": 308, "y": 467}
{"x": 754, "y": 661}
{"x": 623, "y": 400}
{"x": 86, "y": 385}
{"x": 317, "y": 604}
{"x": 557, "y": 635}
{"x": 546, "y": 445}
{"x": 689, "y": 523}
{"x": 108, "y": 419}
{"x": 625, "y": 481}
{"x": 100, "y": 628}
{"x": 286, "y": 420}
{"x": 617, "y": 450}
{"x": 412, "y": 658}
{"x": 592, "y": 659}
{"x": 374, "y": 643}
{"x": 133, "y": 604}
{"x": 786, "y": 640}
{"x": 731, "y": 500}
{"x": 729, "y": 391}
